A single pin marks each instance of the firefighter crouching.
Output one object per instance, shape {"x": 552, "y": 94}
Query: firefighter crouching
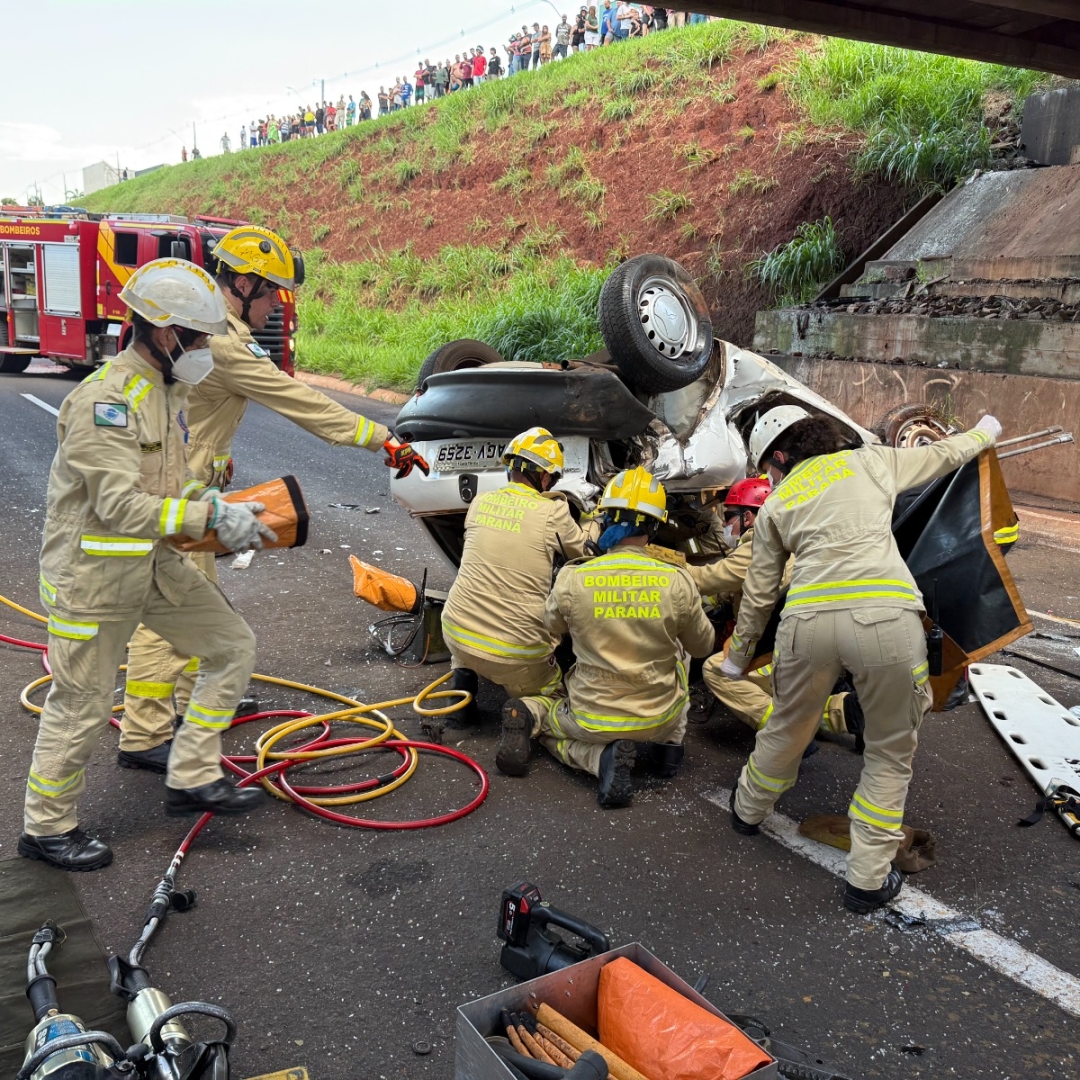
{"x": 751, "y": 698}
{"x": 254, "y": 265}
{"x": 633, "y": 619}
{"x": 115, "y": 497}
{"x": 852, "y": 605}
{"x": 493, "y": 620}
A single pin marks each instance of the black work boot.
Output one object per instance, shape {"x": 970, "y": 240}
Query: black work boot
{"x": 616, "y": 765}
{"x": 743, "y": 828}
{"x": 515, "y": 741}
{"x": 854, "y": 720}
{"x": 464, "y": 679}
{"x": 219, "y": 797}
{"x": 863, "y": 901}
{"x": 155, "y": 760}
{"x": 662, "y": 759}
{"x": 72, "y": 850}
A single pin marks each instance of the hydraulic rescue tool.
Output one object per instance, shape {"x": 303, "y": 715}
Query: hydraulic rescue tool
{"x": 60, "y": 1047}
{"x": 529, "y": 950}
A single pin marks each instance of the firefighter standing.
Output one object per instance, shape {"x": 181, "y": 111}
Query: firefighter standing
{"x": 751, "y": 698}
{"x": 853, "y": 604}
{"x": 633, "y": 619}
{"x": 115, "y": 497}
{"x": 254, "y": 264}
{"x": 493, "y": 621}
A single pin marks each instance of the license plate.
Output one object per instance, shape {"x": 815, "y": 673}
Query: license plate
{"x": 473, "y": 454}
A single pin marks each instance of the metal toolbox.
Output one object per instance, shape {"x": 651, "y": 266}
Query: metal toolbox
{"x": 572, "y": 992}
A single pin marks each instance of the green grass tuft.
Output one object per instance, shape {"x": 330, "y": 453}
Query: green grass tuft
{"x": 667, "y": 204}
{"x": 796, "y": 271}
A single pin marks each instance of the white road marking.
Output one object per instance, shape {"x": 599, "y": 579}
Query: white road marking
{"x": 41, "y": 404}
{"x": 1000, "y": 953}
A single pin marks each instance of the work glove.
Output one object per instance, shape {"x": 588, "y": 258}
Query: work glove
{"x": 237, "y": 527}
{"x": 991, "y": 426}
{"x": 731, "y": 670}
{"x": 401, "y": 456}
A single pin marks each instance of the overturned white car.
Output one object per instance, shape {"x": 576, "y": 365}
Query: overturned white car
{"x": 664, "y": 394}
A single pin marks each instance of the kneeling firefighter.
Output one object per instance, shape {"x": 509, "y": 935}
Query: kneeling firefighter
{"x": 116, "y": 495}
{"x": 633, "y": 619}
{"x": 853, "y": 605}
{"x": 253, "y": 266}
{"x": 751, "y": 698}
{"x": 493, "y": 621}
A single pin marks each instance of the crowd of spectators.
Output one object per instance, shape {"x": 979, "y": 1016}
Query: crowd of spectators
{"x": 591, "y": 28}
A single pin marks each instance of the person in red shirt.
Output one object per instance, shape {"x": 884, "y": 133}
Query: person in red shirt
{"x": 479, "y": 66}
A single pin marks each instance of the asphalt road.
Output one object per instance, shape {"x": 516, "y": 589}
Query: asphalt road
{"x": 343, "y": 949}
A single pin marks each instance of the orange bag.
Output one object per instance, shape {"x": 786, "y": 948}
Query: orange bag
{"x": 665, "y": 1035}
{"x": 381, "y": 588}
{"x": 286, "y": 513}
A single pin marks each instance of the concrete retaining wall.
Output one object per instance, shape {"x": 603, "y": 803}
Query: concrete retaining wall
{"x": 867, "y": 391}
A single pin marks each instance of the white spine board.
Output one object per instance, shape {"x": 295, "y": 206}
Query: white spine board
{"x": 1042, "y": 733}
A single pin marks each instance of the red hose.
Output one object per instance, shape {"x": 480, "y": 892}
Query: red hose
{"x": 22, "y": 644}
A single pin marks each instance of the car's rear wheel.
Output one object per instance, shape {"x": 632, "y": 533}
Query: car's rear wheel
{"x": 455, "y": 356}
{"x": 917, "y": 424}
{"x": 656, "y": 324}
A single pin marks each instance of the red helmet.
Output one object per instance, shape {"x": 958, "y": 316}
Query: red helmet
{"x": 750, "y": 493}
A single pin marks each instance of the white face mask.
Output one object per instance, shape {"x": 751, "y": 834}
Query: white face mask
{"x": 193, "y": 366}
{"x": 731, "y": 537}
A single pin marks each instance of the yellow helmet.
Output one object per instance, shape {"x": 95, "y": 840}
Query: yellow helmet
{"x": 251, "y": 249}
{"x": 638, "y": 491}
{"x": 536, "y": 447}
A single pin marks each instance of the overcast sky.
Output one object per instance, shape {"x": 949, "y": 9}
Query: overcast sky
{"x": 87, "y": 80}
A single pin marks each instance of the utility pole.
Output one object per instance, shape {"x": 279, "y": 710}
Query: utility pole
{"x": 322, "y": 95}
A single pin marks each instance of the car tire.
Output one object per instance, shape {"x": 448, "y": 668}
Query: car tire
{"x": 456, "y": 356}
{"x": 656, "y": 324}
{"x": 917, "y": 424}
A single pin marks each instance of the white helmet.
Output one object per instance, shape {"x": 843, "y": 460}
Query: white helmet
{"x": 770, "y": 426}
{"x": 174, "y": 292}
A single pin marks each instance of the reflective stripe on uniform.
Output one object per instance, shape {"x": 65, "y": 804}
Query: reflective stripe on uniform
{"x": 74, "y": 631}
{"x": 192, "y": 666}
{"x": 46, "y": 591}
{"x": 765, "y": 670}
{"x": 52, "y": 789}
{"x": 981, "y": 436}
{"x": 172, "y": 516}
{"x": 866, "y": 589}
{"x": 921, "y": 673}
{"x": 100, "y": 374}
{"x": 136, "y": 390}
{"x": 1007, "y": 536}
{"x": 491, "y": 645}
{"x": 623, "y": 562}
{"x": 768, "y": 712}
{"x": 191, "y": 487}
{"x": 214, "y": 719}
{"x": 106, "y": 545}
{"x": 770, "y": 783}
{"x": 866, "y": 811}
{"x": 157, "y": 690}
{"x": 599, "y": 722}
{"x": 364, "y": 431}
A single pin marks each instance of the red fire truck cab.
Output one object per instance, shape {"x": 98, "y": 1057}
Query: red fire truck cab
{"x": 62, "y": 270}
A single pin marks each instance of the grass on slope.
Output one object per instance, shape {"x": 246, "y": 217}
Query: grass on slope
{"x": 375, "y": 321}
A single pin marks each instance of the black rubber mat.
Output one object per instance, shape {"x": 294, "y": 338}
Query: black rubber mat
{"x": 30, "y": 893}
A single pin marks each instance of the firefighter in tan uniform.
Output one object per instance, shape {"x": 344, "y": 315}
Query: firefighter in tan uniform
{"x": 853, "y": 604}
{"x": 751, "y": 698}
{"x": 633, "y": 619}
{"x": 115, "y": 498}
{"x": 493, "y": 621}
{"x": 254, "y": 265}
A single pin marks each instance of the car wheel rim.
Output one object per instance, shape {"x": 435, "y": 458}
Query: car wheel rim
{"x": 669, "y": 322}
{"x": 920, "y": 431}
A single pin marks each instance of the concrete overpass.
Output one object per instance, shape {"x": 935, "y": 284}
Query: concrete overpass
{"x": 1039, "y": 34}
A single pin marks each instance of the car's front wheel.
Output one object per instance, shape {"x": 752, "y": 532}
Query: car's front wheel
{"x": 917, "y": 424}
{"x": 655, "y": 324}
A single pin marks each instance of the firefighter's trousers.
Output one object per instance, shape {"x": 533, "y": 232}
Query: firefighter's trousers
{"x": 518, "y": 678}
{"x": 751, "y": 698}
{"x": 580, "y": 747}
{"x": 884, "y": 650}
{"x": 157, "y": 673}
{"x": 85, "y": 654}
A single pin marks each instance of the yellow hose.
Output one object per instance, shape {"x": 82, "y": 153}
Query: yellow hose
{"x": 355, "y": 713}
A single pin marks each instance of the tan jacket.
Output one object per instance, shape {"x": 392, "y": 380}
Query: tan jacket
{"x": 115, "y": 492}
{"x": 834, "y": 514}
{"x": 723, "y": 577}
{"x": 244, "y": 372}
{"x": 630, "y": 616}
{"x": 512, "y": 538}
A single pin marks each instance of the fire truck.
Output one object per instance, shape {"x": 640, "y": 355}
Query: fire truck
{"x": 62, "y": 269}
